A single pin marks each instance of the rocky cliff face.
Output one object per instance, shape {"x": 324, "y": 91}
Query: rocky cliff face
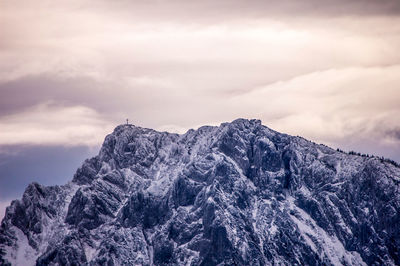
{"x": 237, "y": 194}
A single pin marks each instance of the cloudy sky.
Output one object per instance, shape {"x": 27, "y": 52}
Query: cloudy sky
{"x": 70, "y": 71}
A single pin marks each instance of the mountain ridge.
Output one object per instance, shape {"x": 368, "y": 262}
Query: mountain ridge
{"x": 239, "y": 193}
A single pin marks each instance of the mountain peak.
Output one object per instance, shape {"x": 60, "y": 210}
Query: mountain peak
{"x": 237, "y": 122}
{"x": 244, "y": 121}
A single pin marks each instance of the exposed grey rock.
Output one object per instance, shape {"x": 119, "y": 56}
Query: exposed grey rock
{"x": 237, "y": 194}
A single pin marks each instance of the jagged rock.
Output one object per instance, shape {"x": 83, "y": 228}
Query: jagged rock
{"x": 237, "y": 194}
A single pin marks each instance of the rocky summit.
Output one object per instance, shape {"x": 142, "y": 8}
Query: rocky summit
{"x": 237, "y": 194}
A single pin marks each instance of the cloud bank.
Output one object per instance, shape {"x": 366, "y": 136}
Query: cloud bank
{"x": 53, "y": 125}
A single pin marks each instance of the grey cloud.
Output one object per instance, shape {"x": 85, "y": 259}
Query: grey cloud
{"x": 212, "y": 11}
{"x": 110, "y": 98}
{"x": 396, "y": 133}
{"x": 393, "y": 134}
{"x": 48, "y": 165}
{"x": 28, "y": 91}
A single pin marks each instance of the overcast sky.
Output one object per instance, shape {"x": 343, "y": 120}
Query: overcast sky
{"x": 70, "y": 71}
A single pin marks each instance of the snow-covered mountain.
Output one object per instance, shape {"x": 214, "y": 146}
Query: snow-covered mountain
{"x": 237, "y": 194}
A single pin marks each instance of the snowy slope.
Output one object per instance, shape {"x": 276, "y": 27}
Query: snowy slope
{"x": 239, "y": 193}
